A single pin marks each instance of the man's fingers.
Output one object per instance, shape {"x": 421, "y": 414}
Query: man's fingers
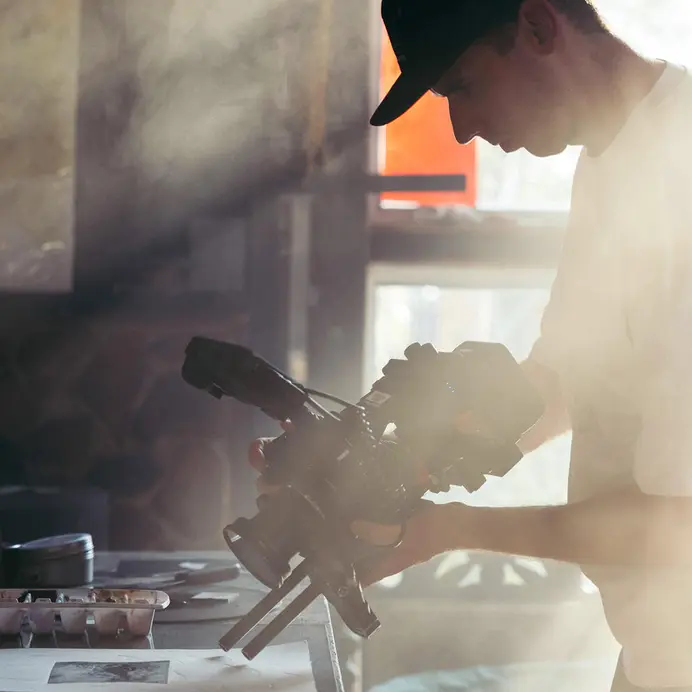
{"x": 258, "y": 461}
{"x": 256, "y": 457}
{"x": 377, "y": 534}
{"x": 256, "y": 451}
{"x": 377, "y": 574}
{"x": 256, "y": 454}
{"x": 394, "y": 562}
{"x": 263, "y": 488}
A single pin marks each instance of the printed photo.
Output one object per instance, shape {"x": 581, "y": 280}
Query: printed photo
{"x": 136, "y": 671}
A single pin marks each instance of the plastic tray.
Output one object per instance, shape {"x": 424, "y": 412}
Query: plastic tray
{"x": 72, "y": 610}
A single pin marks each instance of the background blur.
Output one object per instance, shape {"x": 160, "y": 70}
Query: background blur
{"x": 171, "y": 168}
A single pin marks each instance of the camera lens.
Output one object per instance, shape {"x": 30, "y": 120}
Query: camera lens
{"x": 268, "y": 542}
{"x": 259, "y": 559}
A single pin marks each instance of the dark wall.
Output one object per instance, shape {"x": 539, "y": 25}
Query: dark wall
{"x": 190, "y": 123}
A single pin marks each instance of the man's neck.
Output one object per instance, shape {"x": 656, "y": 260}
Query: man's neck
{"x": 619, "y": 80}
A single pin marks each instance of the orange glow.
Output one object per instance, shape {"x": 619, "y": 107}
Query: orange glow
{"x": 421, "y": 142}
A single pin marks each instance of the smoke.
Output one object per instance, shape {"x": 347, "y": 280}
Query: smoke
{"x": 207, "y": 107}
{"x": 194, "y": 108}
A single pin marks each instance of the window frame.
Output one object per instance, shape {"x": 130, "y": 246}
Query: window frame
{"x": 468, "y": 275}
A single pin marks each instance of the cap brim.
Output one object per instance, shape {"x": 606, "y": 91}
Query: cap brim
{"x": 404, "y": 94}
{"x": 435, "y": 49}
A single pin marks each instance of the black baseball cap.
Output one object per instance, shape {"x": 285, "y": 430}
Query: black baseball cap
{"x": 427, "y": 37}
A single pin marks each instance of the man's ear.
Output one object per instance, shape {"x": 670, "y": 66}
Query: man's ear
{"x": 538, "y": 25}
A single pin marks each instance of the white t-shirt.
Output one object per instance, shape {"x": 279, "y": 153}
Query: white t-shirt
{"x": 618, "y": 331}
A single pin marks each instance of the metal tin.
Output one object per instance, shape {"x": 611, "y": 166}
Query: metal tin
{"x": 54, "y": 562}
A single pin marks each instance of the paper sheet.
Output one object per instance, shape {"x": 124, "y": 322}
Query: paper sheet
{"x": 279, "y": 668}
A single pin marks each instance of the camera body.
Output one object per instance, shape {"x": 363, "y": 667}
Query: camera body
{"x": 433, "y": 420}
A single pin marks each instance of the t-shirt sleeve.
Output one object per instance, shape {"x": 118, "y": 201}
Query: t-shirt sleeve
{"x": 558, "y": 322}
{"x": 549, "y": 348}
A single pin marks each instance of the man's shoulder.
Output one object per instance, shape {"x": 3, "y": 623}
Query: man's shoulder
{"x": 671, "y": 110}
{"x": 669, "y": 148}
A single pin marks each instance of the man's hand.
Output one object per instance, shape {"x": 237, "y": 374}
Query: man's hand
{"x": 426, "y": 534}
{"x": 257, "y": 460}
{"x": 555, "y": 420}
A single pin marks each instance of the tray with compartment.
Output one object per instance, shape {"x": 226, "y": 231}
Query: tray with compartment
{"x": 109, "y": 611}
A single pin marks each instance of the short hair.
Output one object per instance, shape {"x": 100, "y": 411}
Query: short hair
{"x": 582, "y": 14}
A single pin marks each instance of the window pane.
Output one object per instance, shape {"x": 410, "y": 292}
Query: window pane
{"x": 421, "y": 142}
{"x": 520, "y": 181}
{"x": 447, "y": 316}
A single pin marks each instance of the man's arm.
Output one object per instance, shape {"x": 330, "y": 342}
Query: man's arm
{"x": 619, "y": 529}
{"x": 555, "y": 420}
{"x": 622, "y": 528}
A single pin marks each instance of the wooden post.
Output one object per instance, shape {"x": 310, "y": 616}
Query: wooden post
{"x": 340, "y": 238}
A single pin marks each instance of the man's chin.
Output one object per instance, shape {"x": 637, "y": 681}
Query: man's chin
{"x": 537, "y": 149}
{"x": 543, "y": 150}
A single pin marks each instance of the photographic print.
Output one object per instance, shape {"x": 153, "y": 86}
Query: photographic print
{"x": 280, "y": 668}
{"x": 71, "y": 672}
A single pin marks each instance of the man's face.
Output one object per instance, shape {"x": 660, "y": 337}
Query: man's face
{"x": 513, "y": 96}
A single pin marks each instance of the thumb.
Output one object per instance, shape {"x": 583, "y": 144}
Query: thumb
{"x": 382, "y": 535}
{"x": 256, "y": 453}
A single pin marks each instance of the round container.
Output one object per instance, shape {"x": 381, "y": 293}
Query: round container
{"x": 55, "y": 562}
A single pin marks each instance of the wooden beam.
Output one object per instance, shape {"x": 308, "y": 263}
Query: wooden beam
{"x": 539, "y": 247}
{"x": 340, "y": 239}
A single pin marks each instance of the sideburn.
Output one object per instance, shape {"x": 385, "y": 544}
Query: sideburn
{"x": 503, "y": 39}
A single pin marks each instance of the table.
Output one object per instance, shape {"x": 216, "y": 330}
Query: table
{"x": 189, "y": 629}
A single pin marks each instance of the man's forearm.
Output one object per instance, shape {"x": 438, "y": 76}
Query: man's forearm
{"x": 555, "y": 420}
{"x": 552, "y": 425}
{"x": 623, "y": 528}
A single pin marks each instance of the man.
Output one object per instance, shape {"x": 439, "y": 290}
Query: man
{"x": 614, "y": 359}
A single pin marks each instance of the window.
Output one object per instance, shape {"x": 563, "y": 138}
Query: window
{"x": 429, "y": 305}
{"x": 516, "y": 182}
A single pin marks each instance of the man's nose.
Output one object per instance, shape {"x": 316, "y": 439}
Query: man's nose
{"x": 463, "y": 122}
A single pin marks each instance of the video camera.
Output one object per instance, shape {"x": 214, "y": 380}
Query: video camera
{"x": 432, "y": 421}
